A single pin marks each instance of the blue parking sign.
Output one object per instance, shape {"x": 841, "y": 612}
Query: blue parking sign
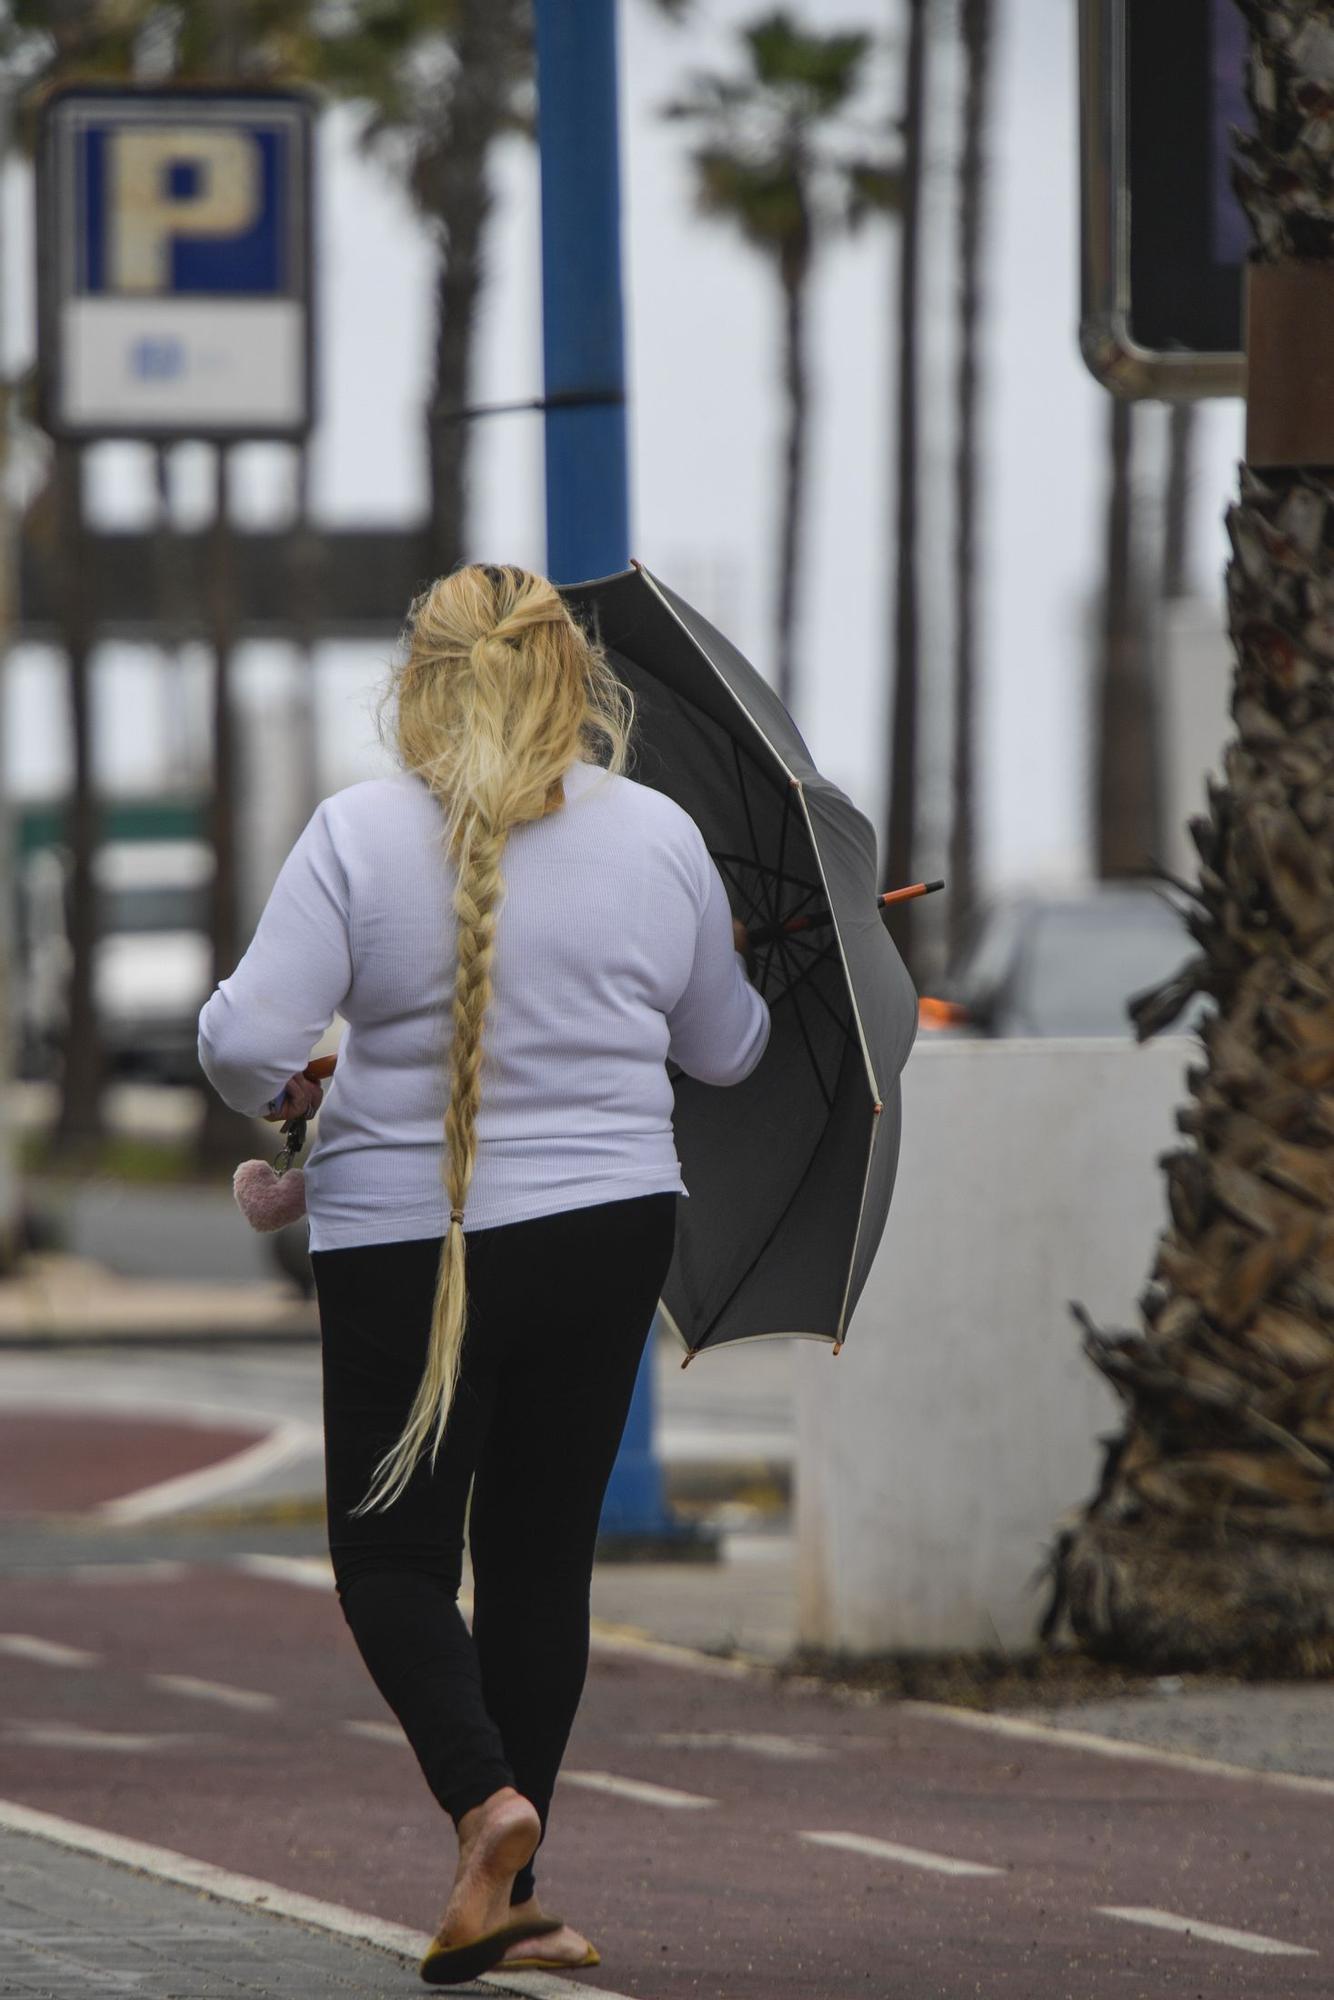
{"x": 174, "y": 242}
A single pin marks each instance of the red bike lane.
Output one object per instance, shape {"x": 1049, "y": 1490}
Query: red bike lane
{"x": 225, "y": 1714}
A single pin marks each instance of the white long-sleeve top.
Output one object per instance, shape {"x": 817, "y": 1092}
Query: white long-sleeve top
{"x": 614, "y": 952}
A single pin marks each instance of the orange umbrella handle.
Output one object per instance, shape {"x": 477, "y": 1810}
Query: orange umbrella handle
{"x": 320, "y": 1069}
{"x": 907, "y": 895}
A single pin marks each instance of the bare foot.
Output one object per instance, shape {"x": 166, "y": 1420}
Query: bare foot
{"x": 496, "y": 1840}
{"x": 566, "y": 1945}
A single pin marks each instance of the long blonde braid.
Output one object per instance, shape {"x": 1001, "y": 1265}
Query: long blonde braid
{"x": 499, "y": 693}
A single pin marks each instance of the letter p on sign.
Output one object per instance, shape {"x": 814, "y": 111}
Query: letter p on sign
{"x": 171, "y": 182}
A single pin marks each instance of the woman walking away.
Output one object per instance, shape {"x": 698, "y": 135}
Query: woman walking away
{"x": 519, "y": 938}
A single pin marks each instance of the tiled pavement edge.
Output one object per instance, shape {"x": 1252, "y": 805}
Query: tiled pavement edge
{"x": 74, "y": 1924}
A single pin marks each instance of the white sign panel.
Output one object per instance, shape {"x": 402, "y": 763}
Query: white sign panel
{"x": 173, "y": 238}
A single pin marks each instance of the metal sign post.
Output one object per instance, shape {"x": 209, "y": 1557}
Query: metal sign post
{"x": 1164, "y": 237}
{"x": 174, "y": 264}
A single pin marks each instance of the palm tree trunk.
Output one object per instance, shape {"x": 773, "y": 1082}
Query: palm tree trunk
{"x": 900, "y": 844}
{"x": 223, "y": 1135}
{"x": 1181, "y": 423}
{"x": 976, "y": 25}
{"x": 453, "y": 185}
{"x": 796, "y": 400}
{"x": 1125, "y": 744}
{"x": 79, "y": 1122}
{"x": 1210, "y": 1541}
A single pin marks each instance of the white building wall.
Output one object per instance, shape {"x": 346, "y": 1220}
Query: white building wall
{"x": 937, "y": 1453}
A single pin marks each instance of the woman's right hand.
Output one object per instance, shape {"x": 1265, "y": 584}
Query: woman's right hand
{"x": 301, "y": 1098}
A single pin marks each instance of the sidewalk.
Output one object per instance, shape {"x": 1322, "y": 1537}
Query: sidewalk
{"x": 76, "y": 1923}
{"x": 54, "y": 1300}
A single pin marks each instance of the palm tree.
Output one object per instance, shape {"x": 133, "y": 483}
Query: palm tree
{"x": 1126, "y": 809}
{"x": 40, "y": 43}
{"x": 780, "y": 160}
{"x": 1177, "y": 496}
{"x": 443, "y": 81}
{"x": 976, "y": 27}
{"x": 901, "y": 824}
{"x": 1210, "y": 1540}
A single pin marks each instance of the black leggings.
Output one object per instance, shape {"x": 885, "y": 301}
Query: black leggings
{"x": 558, "y": 1312}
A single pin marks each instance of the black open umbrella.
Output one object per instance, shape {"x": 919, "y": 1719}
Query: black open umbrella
{"x": 790, "y": 1173}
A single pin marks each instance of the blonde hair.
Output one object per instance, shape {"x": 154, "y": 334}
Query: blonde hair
{"x": 499, "y": 692}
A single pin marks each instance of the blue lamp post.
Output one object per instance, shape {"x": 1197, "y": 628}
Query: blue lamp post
{"x": 586, "y": 471}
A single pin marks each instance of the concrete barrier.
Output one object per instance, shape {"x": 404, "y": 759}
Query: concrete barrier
{"x": 936, "y": 1454}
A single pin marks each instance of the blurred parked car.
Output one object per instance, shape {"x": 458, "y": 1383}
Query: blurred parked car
{"x": 1063, "y": 964}
{"x": 152, "y": 968}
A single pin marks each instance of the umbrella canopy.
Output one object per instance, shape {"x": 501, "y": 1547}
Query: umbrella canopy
{"x": 790, "y": 1173}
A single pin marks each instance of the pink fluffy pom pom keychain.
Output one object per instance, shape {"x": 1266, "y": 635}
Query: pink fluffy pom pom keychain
{"x": 272, "y": 1193}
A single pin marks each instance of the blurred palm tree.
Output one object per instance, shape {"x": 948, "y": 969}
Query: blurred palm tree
{"x": 976, "y": 26}
{"x": 781, "y": 159}
{"x": 1127, "y": 822}
{"x": 900, "y": 845}
{"x": 442, "y": 82}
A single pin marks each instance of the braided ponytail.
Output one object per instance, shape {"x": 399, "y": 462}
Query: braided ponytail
{"x": 499, "y": 694}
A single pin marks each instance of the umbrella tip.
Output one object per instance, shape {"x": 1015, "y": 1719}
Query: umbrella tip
{"x": 838, "y": 1347}
{"x": 877, "y": 1109}
{"x": 689, "y": 1358}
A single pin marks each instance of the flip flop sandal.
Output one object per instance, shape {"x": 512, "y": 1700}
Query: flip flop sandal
{"x": 535, "y": 1964}
{"x": 456, "y": 1964}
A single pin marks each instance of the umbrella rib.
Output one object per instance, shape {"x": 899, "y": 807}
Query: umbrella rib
{"x": 772, "y": 911}
{"x": 728, "y": 865}
{"x": 808, "y": 888}
{"x": 803, "y": 978}
{"x": 772, "y": 944}
{"x": 810, "y": 1050}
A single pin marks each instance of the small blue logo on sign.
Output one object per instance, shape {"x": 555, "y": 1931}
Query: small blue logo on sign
{"x": 160, "y": 360}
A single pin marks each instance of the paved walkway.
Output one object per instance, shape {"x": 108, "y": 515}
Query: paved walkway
{"x": 72, "y": 1925}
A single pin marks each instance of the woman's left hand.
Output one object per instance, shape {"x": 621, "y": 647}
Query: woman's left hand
{"x": 302, "y": 1097}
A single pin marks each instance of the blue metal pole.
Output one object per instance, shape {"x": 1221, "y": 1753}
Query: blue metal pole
{"x": 587, "y": 481}
{"x": 582, "y": 323}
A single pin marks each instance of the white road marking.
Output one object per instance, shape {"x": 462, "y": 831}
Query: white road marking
{"x": 311, "y": 1572}
{"x": 316, "y": 1573}
{"x": 219, "y": 1691}
{"x": 1113, "y": 1746}
{"x": 378, "y": 1732}
{"x": 890, "y": 1850}
{"x": 225, "y": 1887}
{"x": 1164, "y": 1920}
{"x": 283, "y": 1443}
{"x": 73, "y": 1736}
{"x": 637, "y": 1789}
{"x": 794, "y": 1749}
{"x": 154, "y": 1570}
{"x": 46, "y": 1652}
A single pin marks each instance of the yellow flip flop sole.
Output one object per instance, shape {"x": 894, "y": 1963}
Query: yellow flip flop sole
{"x": 458, "y": 1964}
{"x": 591, "y": 1957}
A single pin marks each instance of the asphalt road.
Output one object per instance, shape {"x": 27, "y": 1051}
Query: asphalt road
{"x": 720, "y": 1833}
